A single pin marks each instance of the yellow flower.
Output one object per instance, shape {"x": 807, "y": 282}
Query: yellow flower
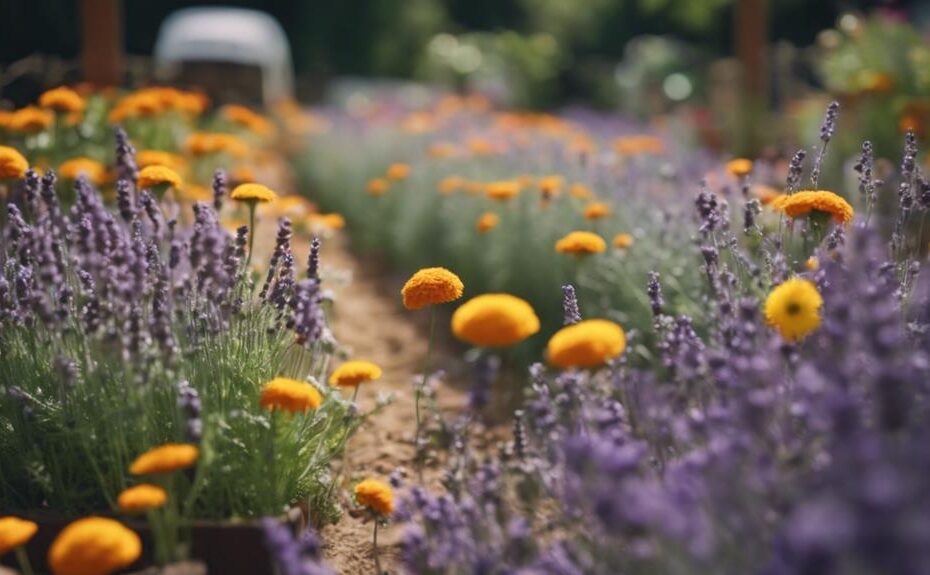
{"x": 739, "y": 167}
{"x": 142, "y": 498}
{"x": 204, "y": 143}
{"x": 596, "y": 210}
{"x": 196, "y": 193}
{"x": 6, "y": 117}
{"x": 247, "y": 119}
{"x": 146, "y": 158}
{"x": 62, "y": 99}
{"x": 15, "y": 532}
{"x": 487, "y": 222}
{"x": 31, "y": 120}
{"x": 805, "y": 202}
{"x": 328, "y": 221}
{"x": 503, "y": 190}
{"x": 442, "y": 150}
{"x": 290, "y": 395}
{"x": 550, "y": 186}
{"x": 376, "y": 496}
{"x": 793, "y": 308}
{"x": 12, "y": 164}
{"x": 431, "y": 286}
{"x": 767, "y": 194}
{"x": 165, "y": 459}
{"x": 581, "y": 243}
{"x": 812, "y": 263}
{"x": 377, "y": 186}
{"x": 94, "y": 171}
{"x": 581, "y": 191}
{"x": 253, "y": 193}
{"x": 622, "y": 241}
{"x": 398, "y": 172}
{"x": 640, "y": 144}
{"x": 450, "y": 185}
{"x": 587, "y": 343}
{"x": 93, "y": 546}
{"x": 353, "y": 373}
{"x": 494, "y": 320}
{"x": 152, "y": 176}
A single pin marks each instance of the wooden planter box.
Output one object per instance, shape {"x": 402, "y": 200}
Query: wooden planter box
{"x": 226, "y": 548}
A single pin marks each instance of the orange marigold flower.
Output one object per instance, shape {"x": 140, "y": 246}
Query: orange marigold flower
{"x": 290, "y": 395}
{"x": 431, "y": 286}
{"x": 152, "y": 176}
{"x": 353, "y": 373}
{"x": 640, "y": 144}
{"x": 494, "y": 320}
{"x": 586, "y": 344}
{"x": 766, "y": 194}
{"x": 581, "y": 191}
{"x": 146, "y": 158}
{"x": 398, "y": 172}
{"x": 62, "y": 99}
{"x": 205, "y": 143}
{"x": 377, "y": 186}
{"x": 487, "y": 222}
{"x": 804, "y": 202}
{"x": 94, "y": 171}
{"x": 376, "y": 495}
{"x": 196, "y": 193}
{"x": 442, "y": 150}
{"x": 12, "y": 164}
{"x": 93, "y": 546}
{"x": 550, "y": 186}
{"x": 328, "y": 221}
{"x": 242, "y": 174}
{"x": 6, "y": 117}
{"x": 15, "y": 532}
{"x": 596, "y": 210}
{"x": 142, "y": 498}
{"x": 812, "y": 263}
{"x": 253, "y": 193}
{"x": 165, "y": 459}
{"x": 581, "y": 243}
{"x": 450, "y": 185}
{"x": 739, "y": 167}
{"x": 247, "y": 119}
{"x": 31, "y": 120}
{"x": 502, "y": 190}
{"x": 622, "y": 241}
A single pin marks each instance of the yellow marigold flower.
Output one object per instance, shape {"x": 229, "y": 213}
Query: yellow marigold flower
{"x": 442, "y": 150}
{"x": 377, "y": 186}
{"x": 398, "y": 172}
{"x": 328, "y": 221}
{"x": 479, "y": 146}
{"x": 15, "y": 532}
{"x": 450, "y": 185}
{"x": 151, "y": 176}
{"x": 376, "y": 495}
{"x": 587, "y": 343}
{"x": 431, "y": 286}
{"x": 242, "y": 174}
{"x": 812, "y": 263}
{"x": 550, "y": 186}
{"x": 12, "y": 164}
{"x": 739, "y": 167}
{"x": 62, "y": 99}
{"x": 6, "y": 117}
{"x": 31, "y": 120}
{"x": 581, "y": 191}
{"x": 805, "y": 202}
{"x": 253, "y": 193}
{"x": 290, "y": 395}
{"x": 142, "y": 498}
{"x": 622, "y": 241}
{"x": 502, "y": 190}
{"x": 581, "y": 243}
{"x": 94, "y": 171}
{"x": 165, "y": 459}
{"x": 793, "y": 308}
{"x": 487, "y": 222}
{"x": 494, "y": 320}
{"x": 247, "y": 119}
{"x": 93, "y": 546}
{"x": 596, "y": 210}
{"x": 205, "y": 143}
{"x": 353, "y": 373}
{"x": 146, "y": 158}
{"x": 766, "y": 194}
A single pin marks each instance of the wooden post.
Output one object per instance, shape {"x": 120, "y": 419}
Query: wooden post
{"x": 101, "y": 42}
{"x": 751, "y": 28}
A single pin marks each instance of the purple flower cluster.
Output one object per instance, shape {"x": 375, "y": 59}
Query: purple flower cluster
{"x": 294, "y": 555}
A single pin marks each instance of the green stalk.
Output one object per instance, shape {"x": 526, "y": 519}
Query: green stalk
{"x": 375, "y": 550}
{"x": 25, "y": 566}
{"x": 419, "y": 392}
{"x": 248, "y": 258}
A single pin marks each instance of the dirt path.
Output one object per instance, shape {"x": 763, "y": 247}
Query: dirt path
{"x": 369, "y": 322}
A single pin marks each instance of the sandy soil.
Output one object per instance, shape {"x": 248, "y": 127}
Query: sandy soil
{"x": 371, "y": 324}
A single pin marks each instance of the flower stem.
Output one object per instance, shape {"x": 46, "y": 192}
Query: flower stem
{"x": 24, "y": 565}
{"x": 248, "y": 258}
{"x": 375, "y": 550}
{"x": 419, "y": 392}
